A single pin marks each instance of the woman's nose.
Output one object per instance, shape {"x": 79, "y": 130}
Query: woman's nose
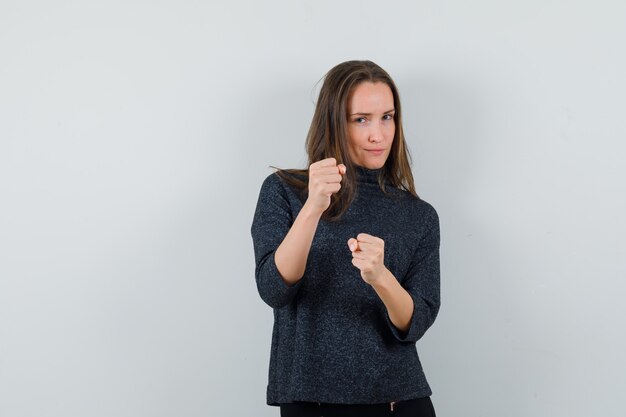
{"x": 376, "y": 133}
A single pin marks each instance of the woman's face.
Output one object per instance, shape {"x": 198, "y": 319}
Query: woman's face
{"x": 371, "y": 126}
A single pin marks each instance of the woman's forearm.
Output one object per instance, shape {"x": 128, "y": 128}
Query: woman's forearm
{"x": 291, "y": 256}
{"x": 397, "y": 300}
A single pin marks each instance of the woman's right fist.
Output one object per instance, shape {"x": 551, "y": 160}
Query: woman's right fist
{"x": 324, "y": 180}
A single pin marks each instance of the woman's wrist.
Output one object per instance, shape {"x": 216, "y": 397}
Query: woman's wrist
{"x": 311, "y": 212}
{"x": 384, "y": 280}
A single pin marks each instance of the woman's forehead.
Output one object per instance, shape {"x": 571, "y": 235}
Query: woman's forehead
{"x": 369, "y": 97}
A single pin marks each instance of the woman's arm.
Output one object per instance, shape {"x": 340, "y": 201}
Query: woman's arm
{"x": 397, "y": 300}
{"x": 368, "y": 255}
{"x": 412, "y": 306}
{"x": 291, "y": 255}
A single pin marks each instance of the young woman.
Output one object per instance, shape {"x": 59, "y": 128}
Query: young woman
{"x": 347, "y": 255}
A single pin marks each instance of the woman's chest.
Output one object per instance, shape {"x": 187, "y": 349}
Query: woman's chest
{"x": 398, "y": 234}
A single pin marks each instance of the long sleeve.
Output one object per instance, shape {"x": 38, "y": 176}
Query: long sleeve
{"x": 422, "y": 282}
{"x": 272, "y": 220}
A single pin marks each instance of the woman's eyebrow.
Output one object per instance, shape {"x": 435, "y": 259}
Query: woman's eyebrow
{"x": 369, "y": 114}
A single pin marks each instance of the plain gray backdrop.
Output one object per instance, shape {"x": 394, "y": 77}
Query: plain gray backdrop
{"x": 134, "y": 137}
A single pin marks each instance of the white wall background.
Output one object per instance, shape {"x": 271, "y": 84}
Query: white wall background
{"x": 134, "y": 137}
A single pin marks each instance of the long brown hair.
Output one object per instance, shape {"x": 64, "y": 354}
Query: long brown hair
{"x": 328, "y": 136}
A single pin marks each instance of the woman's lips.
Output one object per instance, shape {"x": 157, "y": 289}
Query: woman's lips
{"x": 375, "y": 151}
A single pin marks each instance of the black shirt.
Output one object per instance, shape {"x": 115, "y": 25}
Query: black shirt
{"x": 332, "y": 340}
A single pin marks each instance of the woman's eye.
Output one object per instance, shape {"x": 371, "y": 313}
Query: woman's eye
{"x": 388, "y": 117}
{"x": 360, "y": 120}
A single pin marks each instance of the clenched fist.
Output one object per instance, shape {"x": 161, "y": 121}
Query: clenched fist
{"x": 368, "y": 255}
{"x": 324, "y": 180}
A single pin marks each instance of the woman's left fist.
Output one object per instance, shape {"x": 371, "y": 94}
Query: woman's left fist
{"x": 368, "y": 254}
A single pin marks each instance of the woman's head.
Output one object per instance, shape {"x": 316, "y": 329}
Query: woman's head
{"x": 358, "y": 121}
{"x": 337, "y": 130}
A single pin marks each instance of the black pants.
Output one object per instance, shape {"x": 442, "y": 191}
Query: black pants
{"x": 420, "y": 407}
